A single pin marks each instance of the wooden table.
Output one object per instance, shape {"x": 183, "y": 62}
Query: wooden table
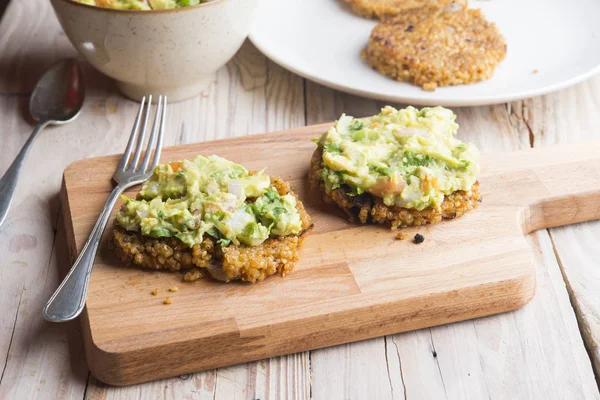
{"x": 549, "y": 349}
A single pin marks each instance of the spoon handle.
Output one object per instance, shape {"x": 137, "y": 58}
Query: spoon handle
{"x": 8, "y": 183}
{"x": 69, "y": 299}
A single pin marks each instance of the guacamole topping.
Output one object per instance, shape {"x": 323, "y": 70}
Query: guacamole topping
{"x": 409, "y": 158}
{"x": 210, "y": 196}
{"x": 141, "y": 4}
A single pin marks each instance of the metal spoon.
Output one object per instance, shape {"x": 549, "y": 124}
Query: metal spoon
{"x": 56, "y": 100}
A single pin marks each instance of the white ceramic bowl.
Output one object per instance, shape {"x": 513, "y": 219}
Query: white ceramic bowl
{"x": 171, "y": 52}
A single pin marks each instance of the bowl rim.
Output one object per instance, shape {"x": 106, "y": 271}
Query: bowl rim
{"x": 150, "y": 12}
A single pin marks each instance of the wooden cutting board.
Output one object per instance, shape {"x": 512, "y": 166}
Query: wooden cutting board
{"x": 353, "y": 282}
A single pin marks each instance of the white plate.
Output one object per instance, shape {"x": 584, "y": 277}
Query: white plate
{"x": 321, "y": 40}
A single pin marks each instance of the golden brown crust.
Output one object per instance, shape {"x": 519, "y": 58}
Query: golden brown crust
{"x": 431, "y": 47}
{"x": 249, "y": 264}
{"x": 383, "y": 9}
{"x": 368, "y": 208}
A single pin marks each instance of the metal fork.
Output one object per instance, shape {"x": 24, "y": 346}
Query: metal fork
{"x": 69, "y": 299}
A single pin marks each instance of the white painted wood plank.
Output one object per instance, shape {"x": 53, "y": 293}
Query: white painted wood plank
{"x": 569, "y": 116}
{"x": 353, "y": 371}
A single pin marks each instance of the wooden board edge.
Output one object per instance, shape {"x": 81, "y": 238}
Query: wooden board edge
{"x": 122, "y": 368}
{"x": 67, "y": 220}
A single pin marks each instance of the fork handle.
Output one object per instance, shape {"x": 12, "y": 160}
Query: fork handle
{"x": 69, "y": 299}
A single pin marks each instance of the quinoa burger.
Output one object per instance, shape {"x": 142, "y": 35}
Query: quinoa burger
{"x": 400, "y": 168}
{"x": 211, "y": 216}
{"x": 432, "y": 47}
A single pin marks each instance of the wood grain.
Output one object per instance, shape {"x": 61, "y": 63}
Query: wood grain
{"x": 364, "y": 299}
{"x": 536, "y": 352}
{"x": 552, "y": 120}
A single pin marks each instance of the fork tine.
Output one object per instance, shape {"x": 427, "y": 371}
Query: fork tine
{"x": 123, "y": 163}
{"x": 155, "y": 125}
{"x": 161, "y": 131}
{"x": 140, "y": 144}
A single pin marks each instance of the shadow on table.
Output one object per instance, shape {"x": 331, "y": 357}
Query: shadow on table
{"x": 18, "y": 76}
{"x": 53, "y": 336}
{"x": 3, "y": 5}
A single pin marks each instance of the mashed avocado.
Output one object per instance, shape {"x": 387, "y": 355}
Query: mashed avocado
{"x": 407, "y": 157}
{"x": 212, "y": 196}
{"x": 142, "y": 4}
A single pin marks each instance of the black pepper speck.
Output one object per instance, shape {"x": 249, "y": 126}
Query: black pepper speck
{"x": 419, "y": 238}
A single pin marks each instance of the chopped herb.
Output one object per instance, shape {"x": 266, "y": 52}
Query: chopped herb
{"x": 417, "y": 159}
{"x": 355, "y": 191}
{"x": 160, "y": 232}
{"x": 277, "y": 211}
{"x": 356, "y": 125}
{"x": 181, "y": 174}
{"x": 220, "y": 215}
{"x": 224, "y": 242}
{"x": 161, "y": 214}
{"x": 380, "y": 170}
{"x": 271, "y": 194}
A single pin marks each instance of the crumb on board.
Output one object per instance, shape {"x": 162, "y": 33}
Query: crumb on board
{"x": 401, "y": 236}
{"x": 173, "y": 289}
{"x": 168, "y": 300}
{"x": 535, "y": 71}
{"x": 419, "y": 238}
{"x": 193, "y": 275}
{"x": 154, "y": 292}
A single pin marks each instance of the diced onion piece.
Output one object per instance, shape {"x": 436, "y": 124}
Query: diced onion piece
{"x": 142, "y": 213}
{"x": 408, "y": 131}
{"x": 236, "y": 188}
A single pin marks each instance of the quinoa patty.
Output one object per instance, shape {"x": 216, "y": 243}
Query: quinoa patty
{"x": 382, "y": 9}
{"x": 431, "y": 47}
{"x": 246, "y": 263}
{"x": 371, "y": 209}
